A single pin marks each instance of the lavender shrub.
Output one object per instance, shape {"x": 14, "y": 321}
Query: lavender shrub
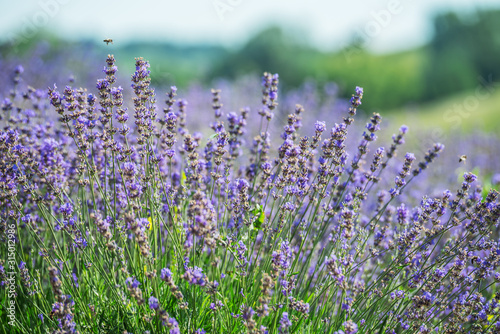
{"x": 126, "y": 222}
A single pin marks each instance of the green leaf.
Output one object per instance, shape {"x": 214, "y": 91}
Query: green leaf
{"x": 486, "y": 188}
{"x": 260, "y": 216}
{"x": 253, "y": 233}
{"x": 183, "y": 178}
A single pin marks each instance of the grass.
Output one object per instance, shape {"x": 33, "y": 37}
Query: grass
{"x": 454, "y": 113}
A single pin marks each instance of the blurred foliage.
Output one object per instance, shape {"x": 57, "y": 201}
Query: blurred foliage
{"x": 463, "y": 49}
{"x": 438, "y": 114}
{"x": 463, "y": 53}
{"x": 389, "y": 80}
{"x": 271, "y": 50}
{"x": 173, "y": 64}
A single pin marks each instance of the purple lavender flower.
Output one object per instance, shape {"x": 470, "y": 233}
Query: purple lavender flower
{"x": 195, "y": 276}
{"x": 320, "y": 126}
{"x": 75, "y": 279}
{"x": 469, "y": 177}
{"x": 102, "y": 84}
{"x": 242, "y": 185}
{"x": 19, "y": 69}
{"x": 285, "y": 323}
{"x": 166, "y": 274}
{"x": 66, "y": 209}
{"x": 241, "y": 249}
{"x": 350, "y": 327}
{"x": 153, "y": 303}
{"x": 174, "y": 326}
{"x": 427, "y": 297}
{"x": 247, "y": 313}
{"x": 403, "y": 214}
{"x": 132, "y": 282}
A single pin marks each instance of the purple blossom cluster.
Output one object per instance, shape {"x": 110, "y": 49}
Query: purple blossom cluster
{"x": 125, "y": 220}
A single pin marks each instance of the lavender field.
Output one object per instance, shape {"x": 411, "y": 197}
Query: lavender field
{"x": 250, "y": 167}
{"x": 130, "y": 209}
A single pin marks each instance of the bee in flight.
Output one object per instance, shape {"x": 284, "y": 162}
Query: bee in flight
{"x": 462, "y": 158}
{"x": 108, "y": 40}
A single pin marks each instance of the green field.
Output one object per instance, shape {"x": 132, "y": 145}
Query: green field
{"x": 464, "y": 112}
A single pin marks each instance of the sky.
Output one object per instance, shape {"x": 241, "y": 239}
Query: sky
{"x": 385, "y": 25}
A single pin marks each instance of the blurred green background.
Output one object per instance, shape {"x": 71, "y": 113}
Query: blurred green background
{"x": 452, "y": 77}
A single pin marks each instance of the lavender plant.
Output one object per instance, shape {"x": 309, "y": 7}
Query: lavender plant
{"x": 118, "y": 219}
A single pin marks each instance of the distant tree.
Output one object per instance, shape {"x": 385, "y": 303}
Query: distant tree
{"x": 271, "y": 50}
{"x": 463, "y": 49}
